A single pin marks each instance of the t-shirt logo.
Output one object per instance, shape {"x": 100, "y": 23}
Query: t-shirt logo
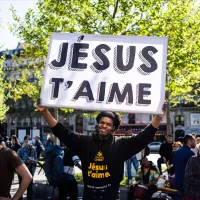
{"x": 97, "y": 169}
{"x": 99, "y": 157}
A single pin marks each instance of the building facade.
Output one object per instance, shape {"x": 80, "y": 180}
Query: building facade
{"x": 22, "y": 119}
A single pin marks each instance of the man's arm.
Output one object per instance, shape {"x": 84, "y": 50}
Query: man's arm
{"x": 132, "y": 145}
{"x": 23, "y": 171}
{"x": 152, "y": 182}
{"x": 47, "y": 116}
{"x": 71, "y": 140}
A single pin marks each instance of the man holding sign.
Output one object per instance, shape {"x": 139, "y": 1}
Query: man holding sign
{"x": 102, "y": 154}
{"x": 104, "y": 72}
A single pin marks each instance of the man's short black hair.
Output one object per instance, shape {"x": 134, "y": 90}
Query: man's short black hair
{"x": 26, "y": 136}
{"x": 187, "y": 138}
{"x": 116, "y": 118}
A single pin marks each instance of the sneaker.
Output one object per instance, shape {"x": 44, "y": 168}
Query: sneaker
{"x": 130, "y": 182}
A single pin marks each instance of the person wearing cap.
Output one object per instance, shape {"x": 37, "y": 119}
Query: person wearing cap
{"x": 165, "y": 151}
{"x": 102, "y": 155}
{"x": 28, "y": 155}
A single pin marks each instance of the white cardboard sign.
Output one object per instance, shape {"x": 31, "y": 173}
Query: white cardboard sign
{"x": 105, "y": 72}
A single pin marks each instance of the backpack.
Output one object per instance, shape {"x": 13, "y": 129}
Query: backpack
{"x": 53, "y": 166}
{"x": 160, "y": 196}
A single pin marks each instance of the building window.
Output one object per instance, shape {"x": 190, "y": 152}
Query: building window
{"x": 179, "y": 120}
{"x": 151, "y": 117}
{"x": 131, "y": 118}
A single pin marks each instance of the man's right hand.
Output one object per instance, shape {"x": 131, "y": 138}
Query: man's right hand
{"x": 39, "y": 107}
{"x": 46, "y": 114}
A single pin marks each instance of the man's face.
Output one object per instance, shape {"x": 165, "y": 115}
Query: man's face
{"x": 29, "y": 143}
{"x": 145, "y": 162}
{"x": 192, "y": 143}
{"x": 105, "y": 126}
{"x": 169, "y": 139}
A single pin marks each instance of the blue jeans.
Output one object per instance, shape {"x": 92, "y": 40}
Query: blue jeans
{"x": 135, "y": 162}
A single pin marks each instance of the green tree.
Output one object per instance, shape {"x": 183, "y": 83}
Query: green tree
{"x": 176, "y": 19}
{"x": 3, "y": 107}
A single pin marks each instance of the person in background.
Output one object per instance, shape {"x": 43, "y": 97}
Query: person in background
{"x": 3, "y": 144}
{"x": 26, "y": 139}
{"x": 132, "y": 161}
{"x": 15, "y": 143}
{"x": 39, "y": 146}
{"x": 28, "y": 155}
{"x": 149, "y": 175}
{"x": 11, "y": 163}
{"x": 192, "y": 178}
{"x": 49, "y": 141}
{"x": 67, "y": 185}
{"x": 175, "y": 146}
{"x": 195, "y": 149}
{"x": 180, "y": 159}
{"x": 170, "y": 166}
{"x": 8, "y": 143}
{"x": 198, "y": 142}
{"x": 165, "y": 152}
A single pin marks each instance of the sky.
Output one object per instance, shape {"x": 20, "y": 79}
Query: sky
{"x": 7, "y": 40}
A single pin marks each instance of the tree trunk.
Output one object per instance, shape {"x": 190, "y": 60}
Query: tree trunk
{"x": 56, "y": 117}
{"x": 169, "y": 131}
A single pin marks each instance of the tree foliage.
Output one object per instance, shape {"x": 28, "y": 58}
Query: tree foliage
{"x": 3, "y": 107}
{"x": 176, "y": 19}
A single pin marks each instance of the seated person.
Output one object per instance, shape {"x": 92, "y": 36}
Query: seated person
{"x": 59, "y": 170}
{"x": 149, "y": 175}
{"x": 67, "y": 184}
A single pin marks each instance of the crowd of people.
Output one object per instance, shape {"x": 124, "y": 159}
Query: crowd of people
{"x": 102, "y": 157}
{"x": 22, "y": 158}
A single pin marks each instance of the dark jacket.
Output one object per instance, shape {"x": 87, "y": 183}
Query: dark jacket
{"x": 192, "y": 178}
{"x": 16, "y": 146}
{"x": 103, "y": 160}
{"x": 166, "y": 150}
{"x": 181, "y": 157}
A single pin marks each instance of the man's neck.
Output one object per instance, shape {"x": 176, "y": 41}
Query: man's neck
{"x": 104, "y": 137}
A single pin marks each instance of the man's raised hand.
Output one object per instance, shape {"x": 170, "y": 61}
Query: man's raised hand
{"x": 39, "y": 107}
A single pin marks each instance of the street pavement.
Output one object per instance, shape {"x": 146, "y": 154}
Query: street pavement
{"x": 40, "y": 181}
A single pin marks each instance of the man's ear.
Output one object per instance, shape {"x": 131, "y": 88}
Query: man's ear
{"x": 113, "y": 129}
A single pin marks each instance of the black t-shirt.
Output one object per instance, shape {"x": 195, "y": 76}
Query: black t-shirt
{"x": 9, "y": 161}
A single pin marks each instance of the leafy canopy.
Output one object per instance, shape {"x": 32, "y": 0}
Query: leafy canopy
{"x": 176, "y": 19}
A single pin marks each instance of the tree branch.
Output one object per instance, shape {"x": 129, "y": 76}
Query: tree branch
{"x": 115, "y": 10}
{"x": 124, "y": 33}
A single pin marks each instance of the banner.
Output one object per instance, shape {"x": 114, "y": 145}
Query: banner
{"x": 105, "y": 72}
{"x": 195, "y": 119}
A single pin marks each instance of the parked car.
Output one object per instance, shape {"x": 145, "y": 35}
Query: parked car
{"x": 154, "y": 146}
